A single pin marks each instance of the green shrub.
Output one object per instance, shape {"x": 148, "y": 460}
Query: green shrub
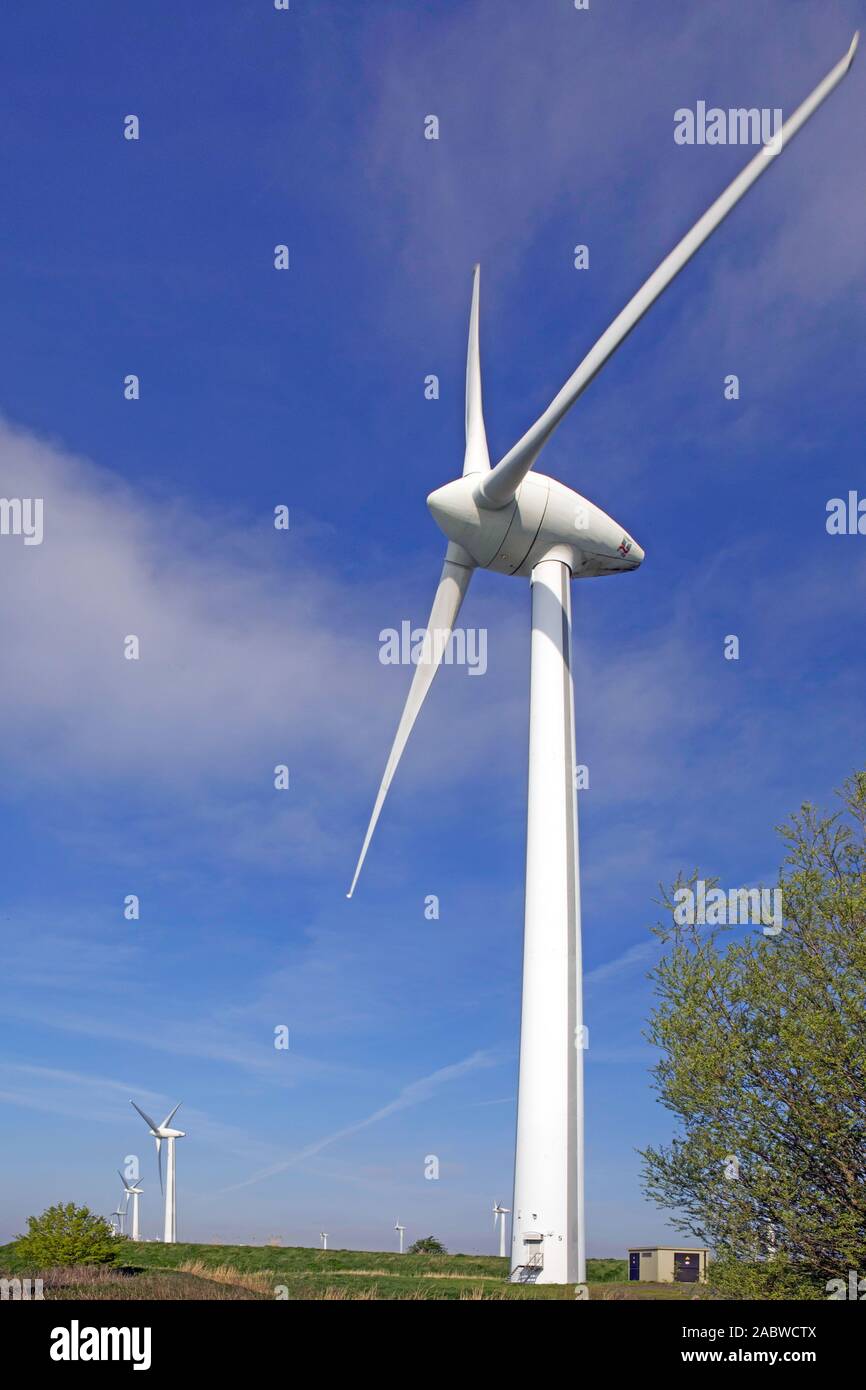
{"x": 69, "y": 1235}
{"x": 777, "y": 1278}
{"x": 427, "y": 1245}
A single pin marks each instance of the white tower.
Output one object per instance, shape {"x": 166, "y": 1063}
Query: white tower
{"x": 499, "y": 1214}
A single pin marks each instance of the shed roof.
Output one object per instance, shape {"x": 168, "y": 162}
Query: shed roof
{"x": 685, "y": 1250}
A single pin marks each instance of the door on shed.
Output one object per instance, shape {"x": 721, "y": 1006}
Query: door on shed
{"x": 634, "y": 1264}
{"x": 686, "y": 1267}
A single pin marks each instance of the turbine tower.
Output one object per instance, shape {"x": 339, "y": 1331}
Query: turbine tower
{"x": 400, "y": 1229}
{"x": 324, "y": 1235}
{"x": 515, "y": 521}
{"x": 499, "y": 1214}
{"x": 117, "y": 1219}
{"x": 133, "y": 1192}
{"x": 160, "y": 1133}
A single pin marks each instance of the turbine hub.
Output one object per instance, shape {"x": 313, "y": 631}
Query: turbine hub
{"x": 545, "y": 520}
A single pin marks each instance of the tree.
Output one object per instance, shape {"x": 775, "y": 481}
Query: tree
{"x": 427, "y": 1245}
{"x": 763, "y": 1042}
{"x": 69, "y": 1235}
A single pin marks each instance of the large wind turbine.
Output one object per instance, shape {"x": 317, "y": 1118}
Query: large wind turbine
{"x": 160, "y": 1133}
{"x": 514, "y": 521}
{"x": 133, "y": 1192}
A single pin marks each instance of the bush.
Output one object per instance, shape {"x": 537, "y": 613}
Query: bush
{"x": 427, "y": 1245}
{"x": 762, "y": 1039}
{"x": 69, "y": 1235}
{"x": 777, "y": 1278}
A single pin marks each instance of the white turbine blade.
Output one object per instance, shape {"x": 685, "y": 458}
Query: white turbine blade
{"x": 477, "y": 456}
{"x": 498, "y": 487}
{"x": 123, "y": 1180}
{"x": 146, "y": 1118}
{"x": 159, "y": 1161}
{"x": 168, "y": 1119}
{"x": 453, "y": 583}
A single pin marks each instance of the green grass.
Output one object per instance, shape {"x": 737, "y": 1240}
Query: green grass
{"x": 156, "y": 1271}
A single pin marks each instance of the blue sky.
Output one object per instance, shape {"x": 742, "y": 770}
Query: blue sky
{"x": 259, "y": 647}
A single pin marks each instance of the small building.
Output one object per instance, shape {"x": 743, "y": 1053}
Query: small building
{"x": 668, "y": 1264}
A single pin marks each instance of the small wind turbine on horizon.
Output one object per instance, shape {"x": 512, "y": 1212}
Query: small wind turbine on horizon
{"x": 400, "y": 1229}
{"x": 514, "y": 521}
{"x": 166, "y": 1133}
{"x": 499, "y": 1214}
{"x": 133, "y": 1192}
{"x": 324, "y": 1235}
{"x": 117, "y": 1219}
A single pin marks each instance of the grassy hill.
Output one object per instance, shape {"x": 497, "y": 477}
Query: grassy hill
{"x": 266, "y": 1272}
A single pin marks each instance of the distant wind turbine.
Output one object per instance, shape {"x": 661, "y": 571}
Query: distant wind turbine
{"x": 133, "y": 1192}
{"x": 400, "y": 1229}
{"x": 160, "y": 1133}
{"x": 324, "y": 1235}
{"x": 499, "y": 1214}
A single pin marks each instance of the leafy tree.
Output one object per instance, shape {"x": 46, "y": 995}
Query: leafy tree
{"x": 427, "y": 1245}
{"x": 763, "y": 1042}
{"x": 69, "y": 1235}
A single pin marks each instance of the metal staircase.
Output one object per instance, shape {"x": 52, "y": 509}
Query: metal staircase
{"x": 528, "y": 1273}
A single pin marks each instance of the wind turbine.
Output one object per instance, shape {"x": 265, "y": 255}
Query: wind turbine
{"x": 499, "y": 1214}
{"x": 133, "y": 1192}
{"x": 324, "y": 1235}
{"x": 514, "y": 521}
{"x": 400, "y": 1229}
{"x": 159, "y": 1133}
{"x": 117, "y": 1217}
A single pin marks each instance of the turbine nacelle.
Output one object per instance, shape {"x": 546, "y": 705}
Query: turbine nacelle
{"x": 544, "y": 520}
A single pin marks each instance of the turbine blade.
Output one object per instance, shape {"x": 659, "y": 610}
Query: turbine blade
{"x": 168, "y": 1119}
{"x": 159, "y": 1162}
{"x": 123, "y": 1180}
{"x": 453, "y": 583}
{"x": 146, "y": 1118}
{"x": 498, "y": 487}
{"x": 477, "y": 456}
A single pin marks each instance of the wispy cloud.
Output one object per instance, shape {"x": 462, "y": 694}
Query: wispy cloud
{"x": 624, "y": 964}
{"x": 414, "y": 1094}
{"x": 90, "y": 1098}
